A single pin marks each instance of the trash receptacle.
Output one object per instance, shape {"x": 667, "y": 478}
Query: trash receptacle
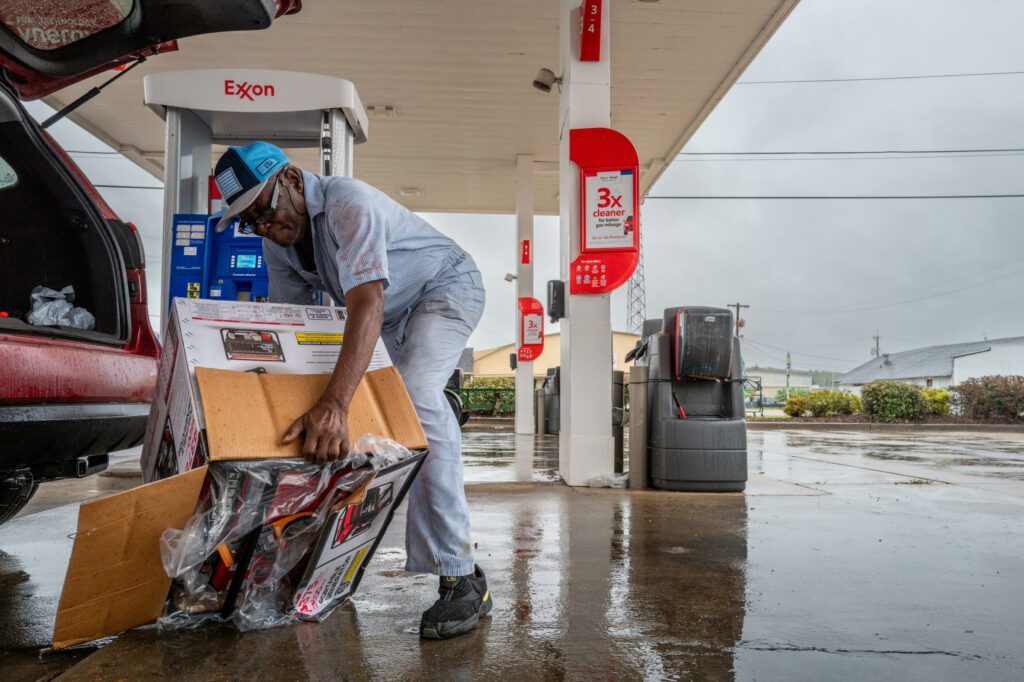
{"x": 552, "y": 400}
{"x": 696, "y": 424}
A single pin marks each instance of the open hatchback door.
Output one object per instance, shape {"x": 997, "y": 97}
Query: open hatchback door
{"x": 74, "y": 391}
{"x": 45, "y": 46}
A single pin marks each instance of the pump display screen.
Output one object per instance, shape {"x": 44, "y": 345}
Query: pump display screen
{"x": 246, "y": 261}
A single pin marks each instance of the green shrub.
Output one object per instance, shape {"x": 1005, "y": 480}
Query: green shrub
{"x": 827, "y": 403}
{"x": 780, "y": 394}
{"x": 819, "y": 404}
{"x": 938, "y": 400}
{"x": 993, "y": 397}
{"x": 796, "y": 406}
{"x": 490, "y": 382}
{"x": 892, "y": 401}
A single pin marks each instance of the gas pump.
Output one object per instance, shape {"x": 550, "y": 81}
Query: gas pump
{"x": 205, "y": 107}
{"x": 209, "y": 264}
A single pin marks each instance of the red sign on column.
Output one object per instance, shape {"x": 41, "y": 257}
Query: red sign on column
{"x": 609, "y": 210}
{"x": 525, "y": 254}
{"x": 531, "y": 329}
{"x": 590, "y": 31}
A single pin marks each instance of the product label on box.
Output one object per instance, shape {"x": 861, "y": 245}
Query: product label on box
{"x": 249, "y": 313}
{"x": 315, "y": 339}
{"x": 348, "y": 541}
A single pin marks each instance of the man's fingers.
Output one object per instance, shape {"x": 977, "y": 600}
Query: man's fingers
{"x": 323, "y": 450}
{"x": 309, "y": 446}
{"x": 293, "y": 431}
{"x": 344, "y": 448}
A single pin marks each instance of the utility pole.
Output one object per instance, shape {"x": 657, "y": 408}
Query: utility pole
{"x": 878, "y": 348}
{"x": 737, "y": 306}
{"x": 789, "y": 363}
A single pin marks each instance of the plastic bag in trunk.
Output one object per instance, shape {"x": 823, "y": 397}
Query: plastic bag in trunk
{"x": 52, "y": 308}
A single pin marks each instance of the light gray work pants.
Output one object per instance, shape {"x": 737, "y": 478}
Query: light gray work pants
{"x": 426, "y": 348}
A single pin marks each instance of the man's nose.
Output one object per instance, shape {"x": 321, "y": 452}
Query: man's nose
{"x": 260, "y": 229}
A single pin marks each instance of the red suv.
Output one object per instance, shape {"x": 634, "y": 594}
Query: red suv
{"x": 70, "y": 395}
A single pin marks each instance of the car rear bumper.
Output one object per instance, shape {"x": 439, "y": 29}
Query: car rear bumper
{"x": 57, "y": 441}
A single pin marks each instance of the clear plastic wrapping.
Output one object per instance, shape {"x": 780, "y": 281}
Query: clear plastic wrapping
{"x": 54, "y": 308}
{"x": 242, "y": 554}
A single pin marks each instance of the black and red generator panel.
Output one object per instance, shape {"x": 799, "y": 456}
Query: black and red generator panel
{"x": 251, "y": 344}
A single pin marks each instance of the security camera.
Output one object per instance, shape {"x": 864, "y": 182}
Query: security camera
{"x": 545, "y": 79}
{"x": 509, "y": 277}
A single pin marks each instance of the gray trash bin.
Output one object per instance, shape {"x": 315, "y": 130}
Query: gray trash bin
{"x": 552, "y": 400}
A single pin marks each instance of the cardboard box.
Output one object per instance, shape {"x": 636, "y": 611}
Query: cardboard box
{"x": 265, "y": 338}
{"x": 116, "y": 578}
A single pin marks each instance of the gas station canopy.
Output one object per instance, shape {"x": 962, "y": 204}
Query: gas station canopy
{"x": 447, "y": 86}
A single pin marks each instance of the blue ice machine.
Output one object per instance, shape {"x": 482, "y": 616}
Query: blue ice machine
{"x": 224, "y": 265}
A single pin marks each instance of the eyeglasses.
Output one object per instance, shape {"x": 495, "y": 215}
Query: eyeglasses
{"x": 249, "y": 226}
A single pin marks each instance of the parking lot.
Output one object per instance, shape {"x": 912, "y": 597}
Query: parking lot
{"x": 851, "y": 556}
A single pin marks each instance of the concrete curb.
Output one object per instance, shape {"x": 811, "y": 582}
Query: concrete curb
{"x": 787, "y": 425}
{"x": 121, "y": 475}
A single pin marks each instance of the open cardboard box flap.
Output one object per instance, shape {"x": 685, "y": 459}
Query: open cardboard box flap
{"x": 247, "y": 414}
{"x": 116, "y": 579}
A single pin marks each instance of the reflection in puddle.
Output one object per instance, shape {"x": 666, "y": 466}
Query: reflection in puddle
{"x": 997, "y": 456}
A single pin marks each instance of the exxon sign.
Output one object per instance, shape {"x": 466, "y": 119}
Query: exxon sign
{"x": 249, "y": 91}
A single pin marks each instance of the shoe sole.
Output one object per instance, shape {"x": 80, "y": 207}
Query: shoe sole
{"x": 462, "y": 628}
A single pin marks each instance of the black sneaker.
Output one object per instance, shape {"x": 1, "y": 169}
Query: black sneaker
{"x": 464, "y": 599}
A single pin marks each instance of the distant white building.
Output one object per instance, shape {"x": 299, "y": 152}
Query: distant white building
{"x": 941, "y": 366}
{"x": 774, "y": 380}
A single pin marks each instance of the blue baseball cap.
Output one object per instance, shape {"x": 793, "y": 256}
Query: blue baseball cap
{"x": 243, "y": 172}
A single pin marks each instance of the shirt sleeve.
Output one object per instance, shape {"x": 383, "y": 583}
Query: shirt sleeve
{"x": 285, "y": 285}
{"x": 360, "y": 228}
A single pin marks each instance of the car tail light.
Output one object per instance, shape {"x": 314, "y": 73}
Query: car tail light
{"x": 138, "y": 242}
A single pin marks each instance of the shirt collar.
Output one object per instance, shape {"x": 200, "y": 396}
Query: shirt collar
{"x": 313, "y": 190}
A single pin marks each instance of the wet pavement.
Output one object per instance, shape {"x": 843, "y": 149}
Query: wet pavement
{"x": 852, "y": 556}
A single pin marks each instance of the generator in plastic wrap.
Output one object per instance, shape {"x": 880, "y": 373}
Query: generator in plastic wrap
{"x": 277, "y": 541}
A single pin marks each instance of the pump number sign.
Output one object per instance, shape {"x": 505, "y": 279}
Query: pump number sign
{"x": 609, "y": 206}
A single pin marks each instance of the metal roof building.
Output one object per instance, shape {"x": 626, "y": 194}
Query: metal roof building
{"x": 942, "y": 366}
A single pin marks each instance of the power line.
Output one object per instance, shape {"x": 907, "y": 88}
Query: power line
{"x": 859, "y": 151}
{"x": 872, "y": 157}
{"x": 851, "y": 152}
{"x": 909, "y": 292}
{"x": 796, "y": 352}
{"x": 805, "y": 364}
{"x": 884, "y": 78}
{"x": 909, "y": 300}
{"x": 850, "y": 197}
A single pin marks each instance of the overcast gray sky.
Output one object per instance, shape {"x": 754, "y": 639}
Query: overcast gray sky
{"x": 821, "y": 276}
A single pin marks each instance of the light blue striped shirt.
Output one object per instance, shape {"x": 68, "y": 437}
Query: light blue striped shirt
{"x": 360, "y": 235}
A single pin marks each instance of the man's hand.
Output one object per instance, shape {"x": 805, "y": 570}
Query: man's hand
{"x": 326, "y": 427}
{"x": 326, "y": 423}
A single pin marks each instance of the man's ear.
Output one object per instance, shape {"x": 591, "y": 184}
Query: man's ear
{"x": 294, "y": 177}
